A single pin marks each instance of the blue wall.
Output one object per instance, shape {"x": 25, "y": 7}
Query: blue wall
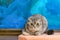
{"x": 14, "y": 13}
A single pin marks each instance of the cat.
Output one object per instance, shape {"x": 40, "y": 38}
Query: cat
{"x": 36, "y": 25}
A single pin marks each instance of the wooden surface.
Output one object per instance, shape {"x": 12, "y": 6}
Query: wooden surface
{"x": 14, "y": 32}
{"x": 8, "y": 37}
{"x": 10, "y": 32}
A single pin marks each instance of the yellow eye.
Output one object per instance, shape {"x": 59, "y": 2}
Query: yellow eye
{"x": 37, "y": 24}
{"x": 31, "y": 24}
{"x": 27, "y": 24}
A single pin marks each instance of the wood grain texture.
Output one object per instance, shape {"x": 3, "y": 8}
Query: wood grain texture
{"x": 10, "y": 32}
{"x": 13, "y": 32}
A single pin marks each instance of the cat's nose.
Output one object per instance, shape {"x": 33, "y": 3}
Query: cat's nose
{"x": 34, "y": 26}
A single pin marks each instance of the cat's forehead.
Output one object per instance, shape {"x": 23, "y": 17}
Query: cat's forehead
{"x": 35, "y": 18}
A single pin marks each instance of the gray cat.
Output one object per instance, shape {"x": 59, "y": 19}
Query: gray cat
{"x": 36, "y": 25}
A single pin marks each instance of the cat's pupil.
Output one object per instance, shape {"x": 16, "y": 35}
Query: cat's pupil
{"x": 37, "y": 24}
{"x": 27, "y": 24}
{"x": 31, "y": 24}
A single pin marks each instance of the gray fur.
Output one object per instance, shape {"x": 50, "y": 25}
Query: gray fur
{"x": 36, "y": 25}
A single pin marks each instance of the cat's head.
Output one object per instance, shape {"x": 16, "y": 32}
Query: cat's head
{"x": 34, "y": 23}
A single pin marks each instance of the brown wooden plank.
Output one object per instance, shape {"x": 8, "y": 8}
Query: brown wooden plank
{"x": 10, "y": 32}
{"x": 13, "y": 32}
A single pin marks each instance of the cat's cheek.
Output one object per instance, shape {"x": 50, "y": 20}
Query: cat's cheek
{"x": 40, "y": 29}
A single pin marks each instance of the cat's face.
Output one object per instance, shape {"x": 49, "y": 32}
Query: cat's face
{"x": 34, "y": 24}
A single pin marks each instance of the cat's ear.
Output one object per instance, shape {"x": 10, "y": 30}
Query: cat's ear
{"x": 29, "y": 19}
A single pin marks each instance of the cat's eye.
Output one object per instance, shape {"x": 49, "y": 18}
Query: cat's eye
{"x": 27, "y": 24}
{"x": 31, "y": 24}
{"x": 37, "y": 24}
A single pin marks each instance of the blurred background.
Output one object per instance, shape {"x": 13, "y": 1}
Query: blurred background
{"x": 14, "y": 13}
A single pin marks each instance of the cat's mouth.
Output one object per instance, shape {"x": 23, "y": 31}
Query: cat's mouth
{"x": 31, "y": 30}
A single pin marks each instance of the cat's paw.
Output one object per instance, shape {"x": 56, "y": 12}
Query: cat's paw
{"x": 25, "y": 34}
{"x": 38, "y": 34}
